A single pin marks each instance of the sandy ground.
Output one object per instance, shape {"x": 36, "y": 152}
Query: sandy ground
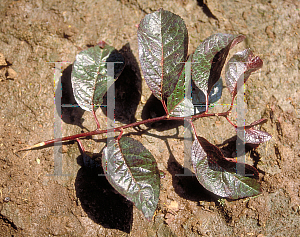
{"x": 34, "y": 202}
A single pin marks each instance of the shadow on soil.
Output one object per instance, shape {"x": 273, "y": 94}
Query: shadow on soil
{"x": 228, "y": 149}
{"x": 98, "y": 198}
{"x": 128, "y": 89}
{"x": 70, "y": 115}
{"x": 153, "y": 109}
{"x": 185, "y": 182}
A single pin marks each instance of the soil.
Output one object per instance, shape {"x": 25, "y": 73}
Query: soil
{"x": 35, "y": 202}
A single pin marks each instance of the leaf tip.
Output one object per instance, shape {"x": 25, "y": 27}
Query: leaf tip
{"x": 238, "y": 39}
{"x": 101, "y": 44}
{"x": 255, "y": 63}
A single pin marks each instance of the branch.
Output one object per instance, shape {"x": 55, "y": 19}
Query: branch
{"x": 120, "y": 129}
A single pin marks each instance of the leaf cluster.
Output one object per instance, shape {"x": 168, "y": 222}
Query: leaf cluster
{"x": 169, "y": 73}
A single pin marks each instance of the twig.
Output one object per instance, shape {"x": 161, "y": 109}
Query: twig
{"x": 97, "y": 131}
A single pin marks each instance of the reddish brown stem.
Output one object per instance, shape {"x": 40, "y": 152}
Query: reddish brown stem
{"x": 97, "y": 131}
{"x": 206, "y": 103}
{"x": 232, "y": 101}
{"x": 96, "y": 119}
{"x": 82, "y": 150}
{"x": 165, "y": 106}
{"x": 231, "y": 122}
{"x": 120, "y": 135}
{"x": 193, "y": 127}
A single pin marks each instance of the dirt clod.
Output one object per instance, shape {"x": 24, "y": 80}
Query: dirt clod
{"x": 11, "y": 74}
{"x": 2, "y": 60}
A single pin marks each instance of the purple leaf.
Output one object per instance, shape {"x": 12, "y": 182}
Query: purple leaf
{"x": 132, "y": 170}
{"x": 163, "y": 46}
{"x": 255, "y": 136}
{"x": 257, "y": 122}
{"x": 209, "y": 58}
{"x": 240, "y": 66}
{"x": 218, "y": 175}
{"x": 89, "y": 74}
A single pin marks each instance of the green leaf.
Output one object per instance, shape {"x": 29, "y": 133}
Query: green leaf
{"x": 218, "y": 175}
{"x": 163, "y": 46}
{"x": 132, "y": 170}
{"x": 89, "y": 74}
{"x": 239, "y": 67}
{"x": 209, "y": 58}
{"x": 178, "y": 104}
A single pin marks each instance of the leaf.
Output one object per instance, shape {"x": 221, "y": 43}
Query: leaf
{"x": 163, "y": 46}
{"x": 178, "y": 104}
{"x": 89, "y": 74}
{"x": 257, "y": 122}
{"x": 214, "y": 95}
{"x": 218, "y": 175}
{"x": 209, "y": 58}
{"x": 241, "y": 65}
{"x": 132, "y": 170}
{"x": 255, "y": 136}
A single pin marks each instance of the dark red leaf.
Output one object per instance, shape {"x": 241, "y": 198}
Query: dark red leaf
{"x": 240, "y": 66}
{"x": 255, "y": 123}
{"x": 218, "y": 175}
{"x": 163, "y": 47}
{"x": 132, "y": 170}
{"x": 255, "y": 136}
{"x": 209, "y": 58}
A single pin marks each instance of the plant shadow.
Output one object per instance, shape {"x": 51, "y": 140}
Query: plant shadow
{"x": 185, "y": 182}
{"x": 154, "y": 108}
{"x": 70, "y": 112}
{"x": 228, "y": 148}
{"x": 206, "y": 10}
{"x": 128, "y": 88}
{"x": 99, "y": 199}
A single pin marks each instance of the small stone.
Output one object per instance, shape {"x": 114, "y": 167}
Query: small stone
{"x": 296, "y": 208}
{"x": 2, "y": 60}
{"x": 11, "y": 74}
{"x": 169, "y": 218}
{"x": 173, "y": 206}
{"x": 270, "y": 32}
{"x": 64, "y": 149}
{"x": 6, "y": 199}
{"x": 68, "y": 33}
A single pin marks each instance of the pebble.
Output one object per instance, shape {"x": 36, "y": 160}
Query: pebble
{"x": 2, "y": 60}
{"x": 269, "y": 32}
{"x": 6, "y": 199}
{"x": 11, "y": 74}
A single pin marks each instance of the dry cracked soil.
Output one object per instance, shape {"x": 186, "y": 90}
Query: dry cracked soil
{"x": 36, "y": 202}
